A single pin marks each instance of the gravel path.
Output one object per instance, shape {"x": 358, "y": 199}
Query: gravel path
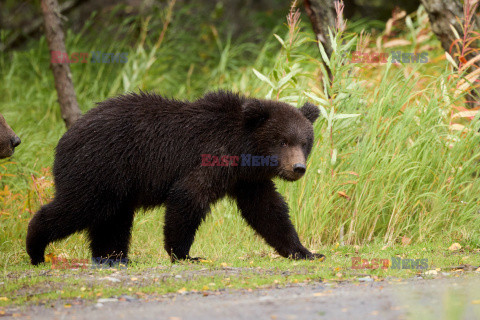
{"x": 447, "y": 298}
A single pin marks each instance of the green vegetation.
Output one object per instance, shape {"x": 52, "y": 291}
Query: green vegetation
{"x": 154, "y": 276}
{"x": 398, "y": 179}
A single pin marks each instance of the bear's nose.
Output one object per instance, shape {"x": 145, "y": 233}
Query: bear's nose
{"x": 299, "y": 168}
{"x": 15, "y": 141}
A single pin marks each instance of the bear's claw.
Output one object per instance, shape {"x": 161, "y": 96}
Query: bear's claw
{"x": 316, "y": 256}
{"x": 188, "y": 259}
{"x": 195, "y": 259}
{"x": 308, "y": 256}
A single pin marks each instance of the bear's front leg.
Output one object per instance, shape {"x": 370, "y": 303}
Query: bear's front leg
{"x": 267, "y": 213}
{"x": 183, "y": 216}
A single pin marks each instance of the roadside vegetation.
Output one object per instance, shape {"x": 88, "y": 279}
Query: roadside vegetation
{"x": 393, "y": 172}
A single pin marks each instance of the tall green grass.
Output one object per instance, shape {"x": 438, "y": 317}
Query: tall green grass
{"x": 396, "y": 170}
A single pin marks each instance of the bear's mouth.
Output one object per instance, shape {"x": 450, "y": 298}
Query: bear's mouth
{"x": 6, "y": 152}
{"x": 289, "y": 175}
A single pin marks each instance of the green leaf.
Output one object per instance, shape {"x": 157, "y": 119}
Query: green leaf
{"x": 300, "y": 42}
{"x": 455, "y": 32}
{"x": 289, "y": 98}
{"x": 323, "y": 53}
{"x": 334, "y": 157}
{"x": 326, "y": 81}
{"x": 450, "y": 59}
{"x": 333, "y": 40}
{"x": 269, "y": 94}
{"x": 323, "y": 112}
{"x": 409, "y": 23}
{"x": 341, "y": 96}
{"x": 280, "y": 40}
{"x": 263, "y": 78}
{"x": 126, "y": 82}
{"x": 349, "y": 44}
{"x": 286, "y": 78}
{"x": 331, "y": 116}
{"x": 345, "y": 116}
{"x": 317, "y": 99}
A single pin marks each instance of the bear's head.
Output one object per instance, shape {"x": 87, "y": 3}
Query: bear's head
{"x": 284, "y": 131}
{"x": 8, "y": 139}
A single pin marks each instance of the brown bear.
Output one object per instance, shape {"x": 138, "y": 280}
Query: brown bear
{"x": 8, "y": 139}
{"x": 143, "y": 150}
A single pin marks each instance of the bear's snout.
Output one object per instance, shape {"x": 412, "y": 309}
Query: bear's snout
{"x": 15, "y": 141}
{"x": 292, "y": 164}
{"x": 8, "y": 139}
{"x": 299, "y": 168}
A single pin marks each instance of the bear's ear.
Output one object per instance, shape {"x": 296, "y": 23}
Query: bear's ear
{"x": 310, "y": 111}
{"x": 254, "y": 113}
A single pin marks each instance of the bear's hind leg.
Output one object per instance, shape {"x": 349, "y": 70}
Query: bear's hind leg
{"x": 52, "y": 222}
{"x": 110, "y": 239}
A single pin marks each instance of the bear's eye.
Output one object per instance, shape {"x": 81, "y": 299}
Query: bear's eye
{"x": 283, "y": 143}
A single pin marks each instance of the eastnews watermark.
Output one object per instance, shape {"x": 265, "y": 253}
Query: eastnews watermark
{"x": 393, "y": 263}
{"x": 385, "y": 57}
{"x": 243, "y": 160}
{"x": 88, "y": 57}
{"x": 96, "y": 263}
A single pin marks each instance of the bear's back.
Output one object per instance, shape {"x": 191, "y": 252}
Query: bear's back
{"x": 146, "y": 141}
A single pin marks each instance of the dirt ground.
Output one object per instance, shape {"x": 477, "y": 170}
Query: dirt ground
{"x": 445, "y": 298}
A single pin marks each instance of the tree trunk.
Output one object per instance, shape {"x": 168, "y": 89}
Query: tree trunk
{"x": 61, "y": 71}
{"x": 322, "y": 15}
{"x": 442, "y": 15}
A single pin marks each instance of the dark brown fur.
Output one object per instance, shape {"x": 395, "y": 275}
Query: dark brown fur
{"x": 142, "y": 150}
{"x": 8, "y": 139}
